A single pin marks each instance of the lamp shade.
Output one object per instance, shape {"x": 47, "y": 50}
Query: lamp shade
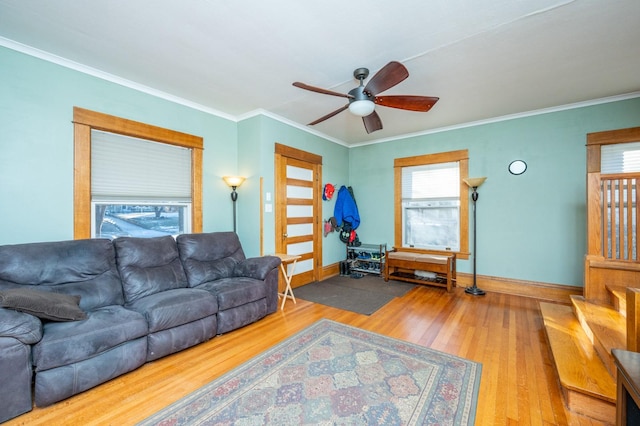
{"x": 233, "y": 181}
{"x": 362, "y": 108}
{"x": 474, "y": 182}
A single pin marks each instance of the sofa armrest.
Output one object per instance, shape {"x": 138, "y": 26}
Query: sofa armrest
{"x": 23, "y": 327}
{"x": 256, "y": 267}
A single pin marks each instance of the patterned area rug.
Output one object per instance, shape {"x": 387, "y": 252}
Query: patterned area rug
{"x": 331, "y": 373}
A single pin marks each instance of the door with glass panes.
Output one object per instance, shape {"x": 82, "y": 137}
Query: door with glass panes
{"x": 298, "y": 188}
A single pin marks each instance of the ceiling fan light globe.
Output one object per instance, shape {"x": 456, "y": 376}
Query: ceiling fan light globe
{"x": 361, "y": 108}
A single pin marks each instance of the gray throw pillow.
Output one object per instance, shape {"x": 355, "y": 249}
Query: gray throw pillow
{"x": 43, "y": 304}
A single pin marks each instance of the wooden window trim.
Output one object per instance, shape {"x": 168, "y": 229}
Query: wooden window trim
{"x": 595, "y": 141}
{"x": 462, "y": 156}
{"x": 84, "y": 121}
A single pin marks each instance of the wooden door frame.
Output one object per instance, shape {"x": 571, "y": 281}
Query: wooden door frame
{"x": 281, "y": 202}
{"x": 598, "y": 271}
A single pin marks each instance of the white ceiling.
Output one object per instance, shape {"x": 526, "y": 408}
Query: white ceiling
{"x": 483, "y": 58}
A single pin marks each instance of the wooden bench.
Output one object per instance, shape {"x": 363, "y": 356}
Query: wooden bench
{"x": 402, "y": 265}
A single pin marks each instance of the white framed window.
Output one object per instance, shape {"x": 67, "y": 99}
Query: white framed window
{"x": 431, "y": 209}
{"x": 431, "y": 206}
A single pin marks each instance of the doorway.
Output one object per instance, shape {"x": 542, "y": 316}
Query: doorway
{"x": 298, "y": 177}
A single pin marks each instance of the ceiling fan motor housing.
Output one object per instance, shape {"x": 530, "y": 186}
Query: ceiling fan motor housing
{"x": 359, "y": 94}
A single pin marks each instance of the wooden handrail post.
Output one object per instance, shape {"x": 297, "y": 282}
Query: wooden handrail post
{"x": 633, "y": 316}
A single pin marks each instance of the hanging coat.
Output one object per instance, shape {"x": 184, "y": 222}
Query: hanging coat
{"x": 345, "y": 209}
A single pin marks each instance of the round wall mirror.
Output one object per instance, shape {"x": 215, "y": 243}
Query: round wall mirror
{"x": 517, "y": 167}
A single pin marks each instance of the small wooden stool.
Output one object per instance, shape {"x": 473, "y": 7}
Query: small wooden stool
{"x": 286, "y": 260}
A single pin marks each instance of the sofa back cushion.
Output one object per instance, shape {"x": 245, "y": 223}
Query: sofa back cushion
{"x": 148, "y": 266}
{"x": 86, "y": 268}
{"x": 209, "y": 256}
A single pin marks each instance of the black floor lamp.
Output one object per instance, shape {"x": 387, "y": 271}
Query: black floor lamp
{"x": 234, "y": 182}
{"x": 474, "y": 183}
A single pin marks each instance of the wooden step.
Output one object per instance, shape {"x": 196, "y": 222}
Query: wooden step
{"x": 587, "y": 386}
{"x": 605, "y": 327}
{"x": 618, "y": 297}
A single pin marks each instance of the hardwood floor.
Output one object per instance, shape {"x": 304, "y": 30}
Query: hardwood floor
{"x": 505, "y": 333}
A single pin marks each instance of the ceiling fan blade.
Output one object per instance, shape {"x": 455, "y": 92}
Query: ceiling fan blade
{"x": 372, "y": 122}
{"x": 331, "y": 114}
{"x": 388, "y": 76}
{"x": 319, "y": 90}
{"x": 411, "y": 103}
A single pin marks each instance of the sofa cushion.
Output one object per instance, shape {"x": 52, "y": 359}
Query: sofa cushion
{"x": 86, "y": 268}
{"x": 15, "y": 376}
{"x": 233, "y": 292}
{"x": 24, "y": 327}
{"x": 68, "y": 342}
{"x": 169, "y": 341}
{"x": 43, "y": 304}
{"x": 59, "y": 383}
{"x": 172, "y": 308}
{"x": 209, "y": 256}
{"x": 240, "y": 316}
{"x": 256, "y": 267}
{"x": 148, "y": 266}
{"x": 199, "y": 272}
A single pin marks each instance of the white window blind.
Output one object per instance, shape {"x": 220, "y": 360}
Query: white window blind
{"x": 430, "y": 181}
{"x": 620, "y": 158}
{"x": 125, "y": 168}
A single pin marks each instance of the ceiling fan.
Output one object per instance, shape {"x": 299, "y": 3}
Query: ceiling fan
{"x": 363, "y": 99}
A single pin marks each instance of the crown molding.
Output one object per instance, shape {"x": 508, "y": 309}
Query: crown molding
{"x": 616, "y": 98}
{"x": 263, "y": 112}
{"x": 49, "y": 57}
{"x": 58, "y": 60}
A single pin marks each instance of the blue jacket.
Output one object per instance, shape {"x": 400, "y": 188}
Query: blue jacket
{"x": 346, "y": 209}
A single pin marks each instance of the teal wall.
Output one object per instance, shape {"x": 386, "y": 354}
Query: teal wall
{"x": 530, "y": 227}
{"x": 251, "y": 157}
{"x": 257, "y": 139}
{"x": 36, "y": 144}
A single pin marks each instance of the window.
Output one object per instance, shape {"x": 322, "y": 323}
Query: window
{"x": 429, "y": 213}
{"x": 119, "y": 219}
{"x": 431, "y": 206}
{"x": 117, "y": 194}
{"x": 620, "y": 158}
{"x": 620, "y": 173}
{"x": 139, "y": 188}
